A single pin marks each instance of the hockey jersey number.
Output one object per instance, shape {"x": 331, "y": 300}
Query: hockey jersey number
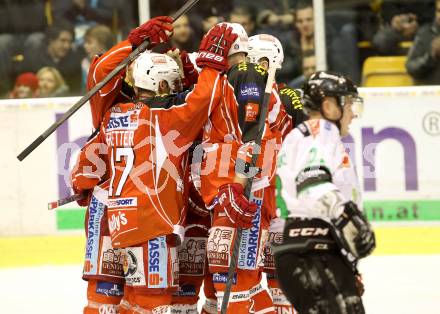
{"x": 117, "y": 160}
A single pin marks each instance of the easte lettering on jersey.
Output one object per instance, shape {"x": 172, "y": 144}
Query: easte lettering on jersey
{"x": 157, "y": 263}
{"x": 123, "y": 121}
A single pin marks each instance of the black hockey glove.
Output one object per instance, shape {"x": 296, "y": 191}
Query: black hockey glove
{"x": 356, "y": 231}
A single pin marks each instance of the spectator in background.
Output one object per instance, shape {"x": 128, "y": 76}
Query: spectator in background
{"x": 423, "y": 62}
{"x": 303, "y": 40}
{"x": 244, "y": 16}
{"x": 341, "y": 42}
{"x": 83, "y": 14}
{"x": 51, "y": 83}
{"x": 275, "y": 13}
{"x": 57, "y": 52}
{"x": 210, "y": 21}
{"x": 399, "y": 27}
{"x": 208, "y": 13}
{"x": 22, "y": 25}
{"x": 305, "y": 25}
{"x": 97, "y": 40}
{"x": 183, "y": 35}
{"x": 203, "y": 16}
{"x": 308, "y": 68}
{"x": 26, "y": 86}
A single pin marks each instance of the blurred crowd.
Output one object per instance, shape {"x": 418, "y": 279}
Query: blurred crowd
{"x": 46, "y": 45}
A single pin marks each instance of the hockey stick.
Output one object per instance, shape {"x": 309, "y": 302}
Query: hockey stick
{"x": 142, "y": 47}
{"x": 64, "y": 201}
{"x": 248, "y": 188}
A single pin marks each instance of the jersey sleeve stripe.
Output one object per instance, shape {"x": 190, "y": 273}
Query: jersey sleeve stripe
{"x": 273, "y": 114}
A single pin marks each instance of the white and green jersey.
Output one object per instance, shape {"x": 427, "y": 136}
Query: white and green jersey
{"x": 311, "y": 163}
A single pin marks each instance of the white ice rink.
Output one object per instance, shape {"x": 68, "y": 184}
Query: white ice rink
{"x": 394, "y": 284}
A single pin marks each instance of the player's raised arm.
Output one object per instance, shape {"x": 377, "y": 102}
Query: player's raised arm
{"x": 119, "y": 88}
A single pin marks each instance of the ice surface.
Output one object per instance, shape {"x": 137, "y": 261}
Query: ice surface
{"x": 394, "y": 284}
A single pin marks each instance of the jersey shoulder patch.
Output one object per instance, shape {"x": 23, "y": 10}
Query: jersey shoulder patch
{"x": 291, "y": 98}
{"x": 246, "y": 70}
{"x": 303, "y": 129}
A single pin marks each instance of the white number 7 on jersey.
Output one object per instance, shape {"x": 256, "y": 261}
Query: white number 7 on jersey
{"x": 127, "y": 152}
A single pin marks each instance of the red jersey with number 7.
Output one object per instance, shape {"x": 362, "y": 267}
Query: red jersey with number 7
{"x": 145, "y": 144}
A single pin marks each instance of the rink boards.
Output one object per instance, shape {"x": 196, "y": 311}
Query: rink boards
{"x": 62, "y": 250}
{"x": 394, "y": 146}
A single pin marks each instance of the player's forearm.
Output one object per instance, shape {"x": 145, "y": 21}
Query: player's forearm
{"x": 109, "y": 60}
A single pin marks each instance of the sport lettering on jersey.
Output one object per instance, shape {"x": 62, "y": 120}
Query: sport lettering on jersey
{"x": 122, "y": 202}
{"x": 157, "y": 263}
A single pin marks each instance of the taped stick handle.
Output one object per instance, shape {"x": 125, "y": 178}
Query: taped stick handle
{"x": 67, "y": 200}
{"x": 142, "y": 47}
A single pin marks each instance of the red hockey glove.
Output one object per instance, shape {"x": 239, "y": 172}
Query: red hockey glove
{"x": 196, "y": 203}
{"x": 238, "y": 209}
{"x": 214, "y": 48}
{"x": 155, "y": 30}
{"x": 189, "y": 71}
{"x": 87, "y": 196}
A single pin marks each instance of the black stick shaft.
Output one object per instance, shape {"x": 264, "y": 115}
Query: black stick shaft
{"x": 40, "y": 139}
{"x": 248, "y": 188}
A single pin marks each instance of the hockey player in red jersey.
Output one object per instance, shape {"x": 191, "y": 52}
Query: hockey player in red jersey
{"x": 144, "y": 207}
{"x": 193, "y": 264}
{"x": 103, "y": 264}
{"x": 227, "y": 141}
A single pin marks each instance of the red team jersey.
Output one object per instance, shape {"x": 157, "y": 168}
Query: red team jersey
{"x": 145, "y": 146}
{"x": 234, "y": 123}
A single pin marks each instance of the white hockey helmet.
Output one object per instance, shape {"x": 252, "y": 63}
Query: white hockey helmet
{"x": 151, "y": 68}
{"x": 266, "y": 46}
{"x": 241, "y": 44}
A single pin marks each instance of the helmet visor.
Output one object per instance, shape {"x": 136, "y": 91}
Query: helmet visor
{"x": 357, "y": 105}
